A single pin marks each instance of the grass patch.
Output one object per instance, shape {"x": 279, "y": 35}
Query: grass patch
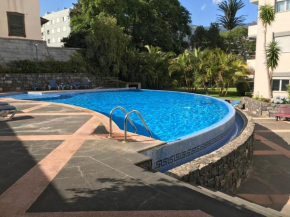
{"x": 232, "y": 93}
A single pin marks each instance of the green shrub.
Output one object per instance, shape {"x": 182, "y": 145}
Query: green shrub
{"x": 47, "y": 66}
{"x": 288, "y": 88}
{"x": 243, "y": 87}
{"x": 249, "y": 94}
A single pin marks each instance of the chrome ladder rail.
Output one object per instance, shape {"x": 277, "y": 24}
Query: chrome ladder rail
{"x": 111, "y": 119}
{"x": 128, "y": 118}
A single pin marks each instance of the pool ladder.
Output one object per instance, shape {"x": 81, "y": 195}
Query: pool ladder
{"x": 127, "y": 118}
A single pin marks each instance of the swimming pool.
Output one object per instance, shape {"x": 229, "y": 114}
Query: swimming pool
{"x": 169, "y": 115}
{"x": 192, "y": 125}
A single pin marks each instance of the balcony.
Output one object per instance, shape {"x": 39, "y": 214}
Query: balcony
{"x": 252, "y": 31}
{"x": 251, "y": 64}
{"x": 256, "y": 2}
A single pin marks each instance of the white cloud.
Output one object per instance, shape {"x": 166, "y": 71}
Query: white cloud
{"x": 216, "y": 1}
{"x": 203, "y": 7}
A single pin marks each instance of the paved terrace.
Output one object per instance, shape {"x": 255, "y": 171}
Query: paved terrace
{"x": 269, "y": 180}
{"x": 56, "y": 160}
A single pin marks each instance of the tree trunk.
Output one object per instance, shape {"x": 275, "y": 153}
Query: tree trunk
{"x": 266, "y": 58}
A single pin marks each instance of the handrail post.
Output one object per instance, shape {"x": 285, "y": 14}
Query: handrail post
{"x": 125, "y": 124}
{"x": 111, "y": 119}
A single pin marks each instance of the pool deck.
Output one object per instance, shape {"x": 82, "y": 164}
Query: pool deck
{"x": 57, "y": 160}
{"x": 269, "y": 180}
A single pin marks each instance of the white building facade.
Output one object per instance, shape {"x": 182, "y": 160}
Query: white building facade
{"x": 57, "y": 28}
{"x": 278, "y": 31}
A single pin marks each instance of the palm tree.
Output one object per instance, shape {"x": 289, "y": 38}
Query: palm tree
{"x": 267, "y": 16}
{"x": 230, "y": 8}
{"x": 202, "y": 68}
{"x": 273, "y": 54}
{"x": 183, "y": 67}
{"x": 155, "y": 66}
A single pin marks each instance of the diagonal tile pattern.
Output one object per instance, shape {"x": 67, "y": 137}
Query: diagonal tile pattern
{"x": 57, "y": 161}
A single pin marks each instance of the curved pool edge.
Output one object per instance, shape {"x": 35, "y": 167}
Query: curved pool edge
{"x": 232, "y": 163}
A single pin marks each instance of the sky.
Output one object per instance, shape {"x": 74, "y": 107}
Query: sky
{"x": 203, "y": 12}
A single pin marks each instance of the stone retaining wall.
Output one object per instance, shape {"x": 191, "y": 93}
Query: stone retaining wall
{"x": 256, "y": 106}
{"x": 24, "y": 82}
{"x": 224, "y": 169}
{"x": 19, "y": 49}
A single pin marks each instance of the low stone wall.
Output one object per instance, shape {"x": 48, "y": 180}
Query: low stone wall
{"x": 24, "y": 82}
{"x": 19, "y": 49}
{"x": 224, "y": 169}
{"x": 256, "y": 106}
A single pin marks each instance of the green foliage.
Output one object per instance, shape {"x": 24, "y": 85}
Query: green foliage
{"x": 262, "y": 99}
{"x": 288, "y": 89}
{"x": 48, "y": 66}
{"x": 229, "y": 20}
{"x": 267, "y": 14}
{"x": 106, "y": 45}
{"x": 157, "y": 23}
{"x": 154, "y": 66}
{"x": 203, "y": 38}
{"x": 243, "y": 87}
{"x": 236, "y": 41}
{"x": 273, "y": 52}
{"x": 249, "y": 94}
{"x": 196, "y": 68}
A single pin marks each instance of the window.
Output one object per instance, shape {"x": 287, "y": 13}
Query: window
{"x": 58, "y": 39}
{"x": 52, "y": 31}
{"x": 16, "y": 24}
{"x": 280, "y": 84}
{"x": 284, "y": 85}
{"x": 53, "y": 40}
{"x": 48, "y": 32}
{"x": 48, "y": 41}
{"x": 282, "y": 5}
{"x": 284, "y": 43}
{"x": 64, "y": 28}
{"x": 57, "y": 20}
{"x": 64, "y": 19}
{"x": 58, "y": 29}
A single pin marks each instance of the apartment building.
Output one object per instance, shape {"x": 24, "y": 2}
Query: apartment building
{"x": 278, "y": 31}
{"x": 57, "y": 28}
{"x": 20, "y": 19}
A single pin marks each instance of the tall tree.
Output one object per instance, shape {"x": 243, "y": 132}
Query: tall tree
{"x": 229, "y": 19}
{"x": 267, "y": 16}
{"x": 207, "y": 38}
{"x": 106, "y": 45}
{"x": 157, "y": 23}
{"x": 236, "y": 41}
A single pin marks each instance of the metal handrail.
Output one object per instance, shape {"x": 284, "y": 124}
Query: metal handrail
{"x": 111, "y": 118}
{"x": 127, "y": 118}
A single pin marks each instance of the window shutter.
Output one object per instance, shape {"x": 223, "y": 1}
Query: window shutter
{"x": 16, "y": 24}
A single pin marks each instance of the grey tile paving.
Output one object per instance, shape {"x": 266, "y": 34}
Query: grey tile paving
{"x": 17, "y": 158}
{"x": 90, "y": 183}
{"x": 42, "y": 125}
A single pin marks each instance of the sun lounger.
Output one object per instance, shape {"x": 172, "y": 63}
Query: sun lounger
{"x": 86, "y": 83}
{"x": 53, "y": 84}
{"x": 6, "y": 111}
{"x": 64, "y": 86}
{"x": 4, "y": 103}
{"x": 77, "y": 85}
{"x": 36, "y": 86}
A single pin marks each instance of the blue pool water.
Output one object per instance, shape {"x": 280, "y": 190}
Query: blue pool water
{"x": 169, "y": 115}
